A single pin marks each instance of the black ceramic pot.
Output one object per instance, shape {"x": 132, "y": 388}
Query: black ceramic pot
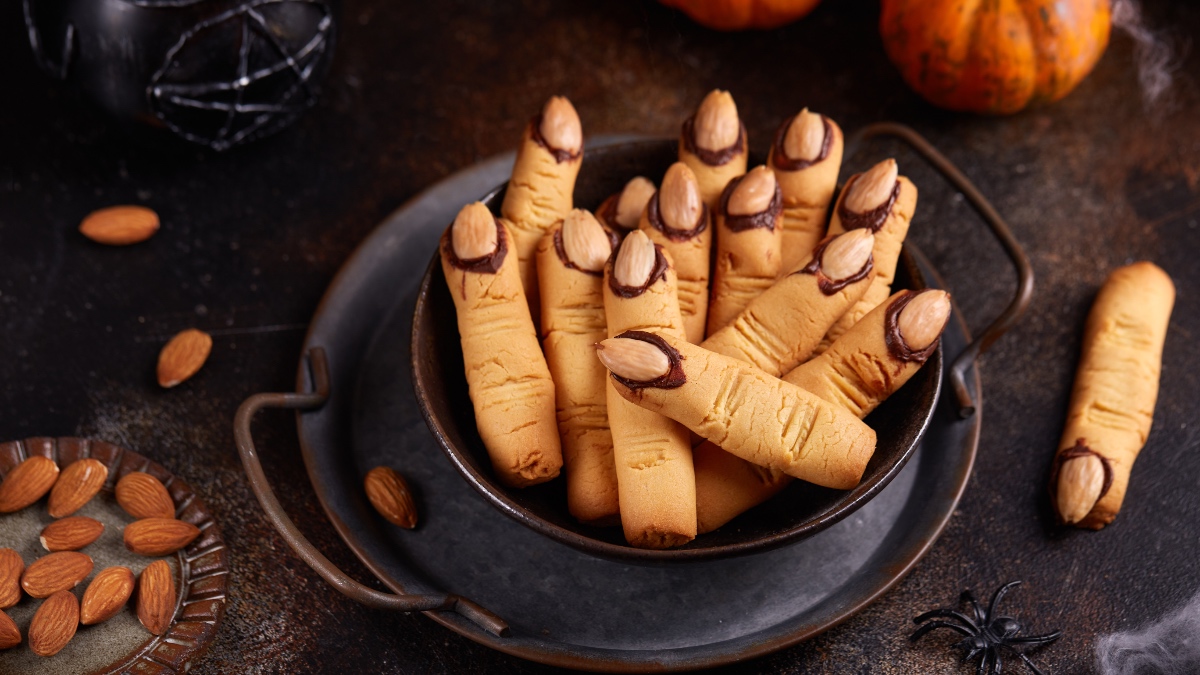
{"x": 214, "y": 72}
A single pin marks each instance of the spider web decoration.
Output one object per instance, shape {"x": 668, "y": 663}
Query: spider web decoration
{"x": 244, "y": 73}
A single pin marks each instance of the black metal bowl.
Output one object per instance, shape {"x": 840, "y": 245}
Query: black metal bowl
{"x": 801, "y": 510}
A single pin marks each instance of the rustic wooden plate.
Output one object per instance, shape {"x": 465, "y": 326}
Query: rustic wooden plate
{"x": 121, "y": 644}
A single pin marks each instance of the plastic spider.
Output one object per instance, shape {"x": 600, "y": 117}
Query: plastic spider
{"x": 986, "y": 634}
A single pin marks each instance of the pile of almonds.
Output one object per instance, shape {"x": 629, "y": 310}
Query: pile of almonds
{"x": 155, "y": 532}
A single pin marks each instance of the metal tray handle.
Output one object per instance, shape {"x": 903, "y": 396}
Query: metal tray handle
{"x": 319, "y": 368}
{"x": 967, "y": 405}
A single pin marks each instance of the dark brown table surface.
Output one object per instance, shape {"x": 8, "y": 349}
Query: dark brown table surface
{"x": 251, "y": 238}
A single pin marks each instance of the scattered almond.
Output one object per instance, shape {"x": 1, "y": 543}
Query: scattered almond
{"x": 11, "y": 568}
{"x": 106, "y": 595}
{"x": 156, "y": 597}
{"x": 154, "y": 537}
{"x": 390, "y": 496}
{"x": 584, "y": 241}
{"x": 635, "y": 260}
{"x": 10, "y": 635}
{"x": 474, "y": 234}
{"x": 183, "y": 356}
{"x": 560, "y": 127}
{"x": 120, "y": 225}
{"x": 847, "y": 253}
{"x": 56, "y": 572}
{"x": 79, "y": 482}
{"x": 871, "y": 189}
{"x": 923, "y": 318}
{"x": 144, "y": 496}
{"x": 635, "y": 360}
{"x": 54, "y": 624}
{"x": 27, "y": 483}
{"x": 71, "y": 534}
{"x": 716, "y": 123}
{"x": 679, "y": 201}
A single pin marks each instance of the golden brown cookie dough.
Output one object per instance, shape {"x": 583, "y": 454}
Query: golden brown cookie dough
{"x": 748, "y": 412}
{"x": 779, "y": 329}
{"x": 507, "y": 377}
{"x": 653, "y": 454}
{"x": 712, "y": 143}
{"x": 883, "y": 201}
{"x": 623, "y": 211}
{"x": 540, "y": 192}
{"x": 1116, "y": 387}
{"x": 870, "y": 362}
{"x": 570, "y": 265}
{"x": 749, "y": 245}
{"x": 677, "y": 219}
{"x": 806, "y": 158}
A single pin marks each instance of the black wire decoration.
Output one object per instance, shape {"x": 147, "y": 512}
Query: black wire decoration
{"x": 987, "y": 634}
{"x": 273, "y": 83}
{"x": 56, "y": 70}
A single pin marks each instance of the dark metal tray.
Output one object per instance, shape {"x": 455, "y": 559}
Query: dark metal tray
{"x": 548, "y": 602}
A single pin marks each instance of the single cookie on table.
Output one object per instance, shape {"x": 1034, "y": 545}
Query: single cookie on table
{"x": 746, "y": 411}
{"x": 806, "y": 157}
{"x": 713, "y": 144}
{"x": 882, "y": 201}
{"x": 1112, "y": 403}
{"x": 749, "y": 253}
{"x": 866, "y": 365}
{"x": 623, "y": 211}
{"x": 541, "y": 190}
{"x": 507, "y": 377}
{"x": 677, "y": 219}
{"x": 570, "y": 265}
{"x": 653, "y": 454}
{"x": 779, "y": 329}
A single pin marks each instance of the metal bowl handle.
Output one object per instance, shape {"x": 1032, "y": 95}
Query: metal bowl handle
{"x": 958, "y": 370}
{"x": 370, "y": 597}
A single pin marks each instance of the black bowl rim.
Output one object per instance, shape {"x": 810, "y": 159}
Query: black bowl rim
{"x": 495, "y": 495}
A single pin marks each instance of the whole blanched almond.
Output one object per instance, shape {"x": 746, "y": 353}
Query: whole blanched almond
{"x": 635, "y": 360}
{"x": 635, "y": 260}
{"x": 474, "y": 234}
{"x": 1080, "y": 482}
{"x": 584, "y": 241}
{"x": 54, "y": 624}
{"x": 679, "y": 201}
{"x": 390, "y": 496}
{"x": 120, "y": 225}
{"x": 144, "y": 496}
{"x": 183, "y": 356}
{"x": 10, "y": 635}
{"x": 56, "y": 572}
{"x": 560, "y": 127}
{"x": 106, "y": 595}
{"x": 871, "y": 189}
{"x": 753, "y": 193}
{"x": 27, "y": 483}
{"x": 156, "y": 597}
{"x": 847, "y": 254}
{"x": 633, "y": 200}
{"x": 11, "y": 568}
{"x": 805, "y": 136}
{"x": 77, "y": 484}
{"x": 716, "y": 122}
{"x": 154, "y": 537}
{"x": 71, "y": 534}
{"x": 923, "y": 318}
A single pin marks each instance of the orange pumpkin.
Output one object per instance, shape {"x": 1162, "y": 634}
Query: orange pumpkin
{"x": 743, "y": 14}
{"x": 994, "y": 56}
